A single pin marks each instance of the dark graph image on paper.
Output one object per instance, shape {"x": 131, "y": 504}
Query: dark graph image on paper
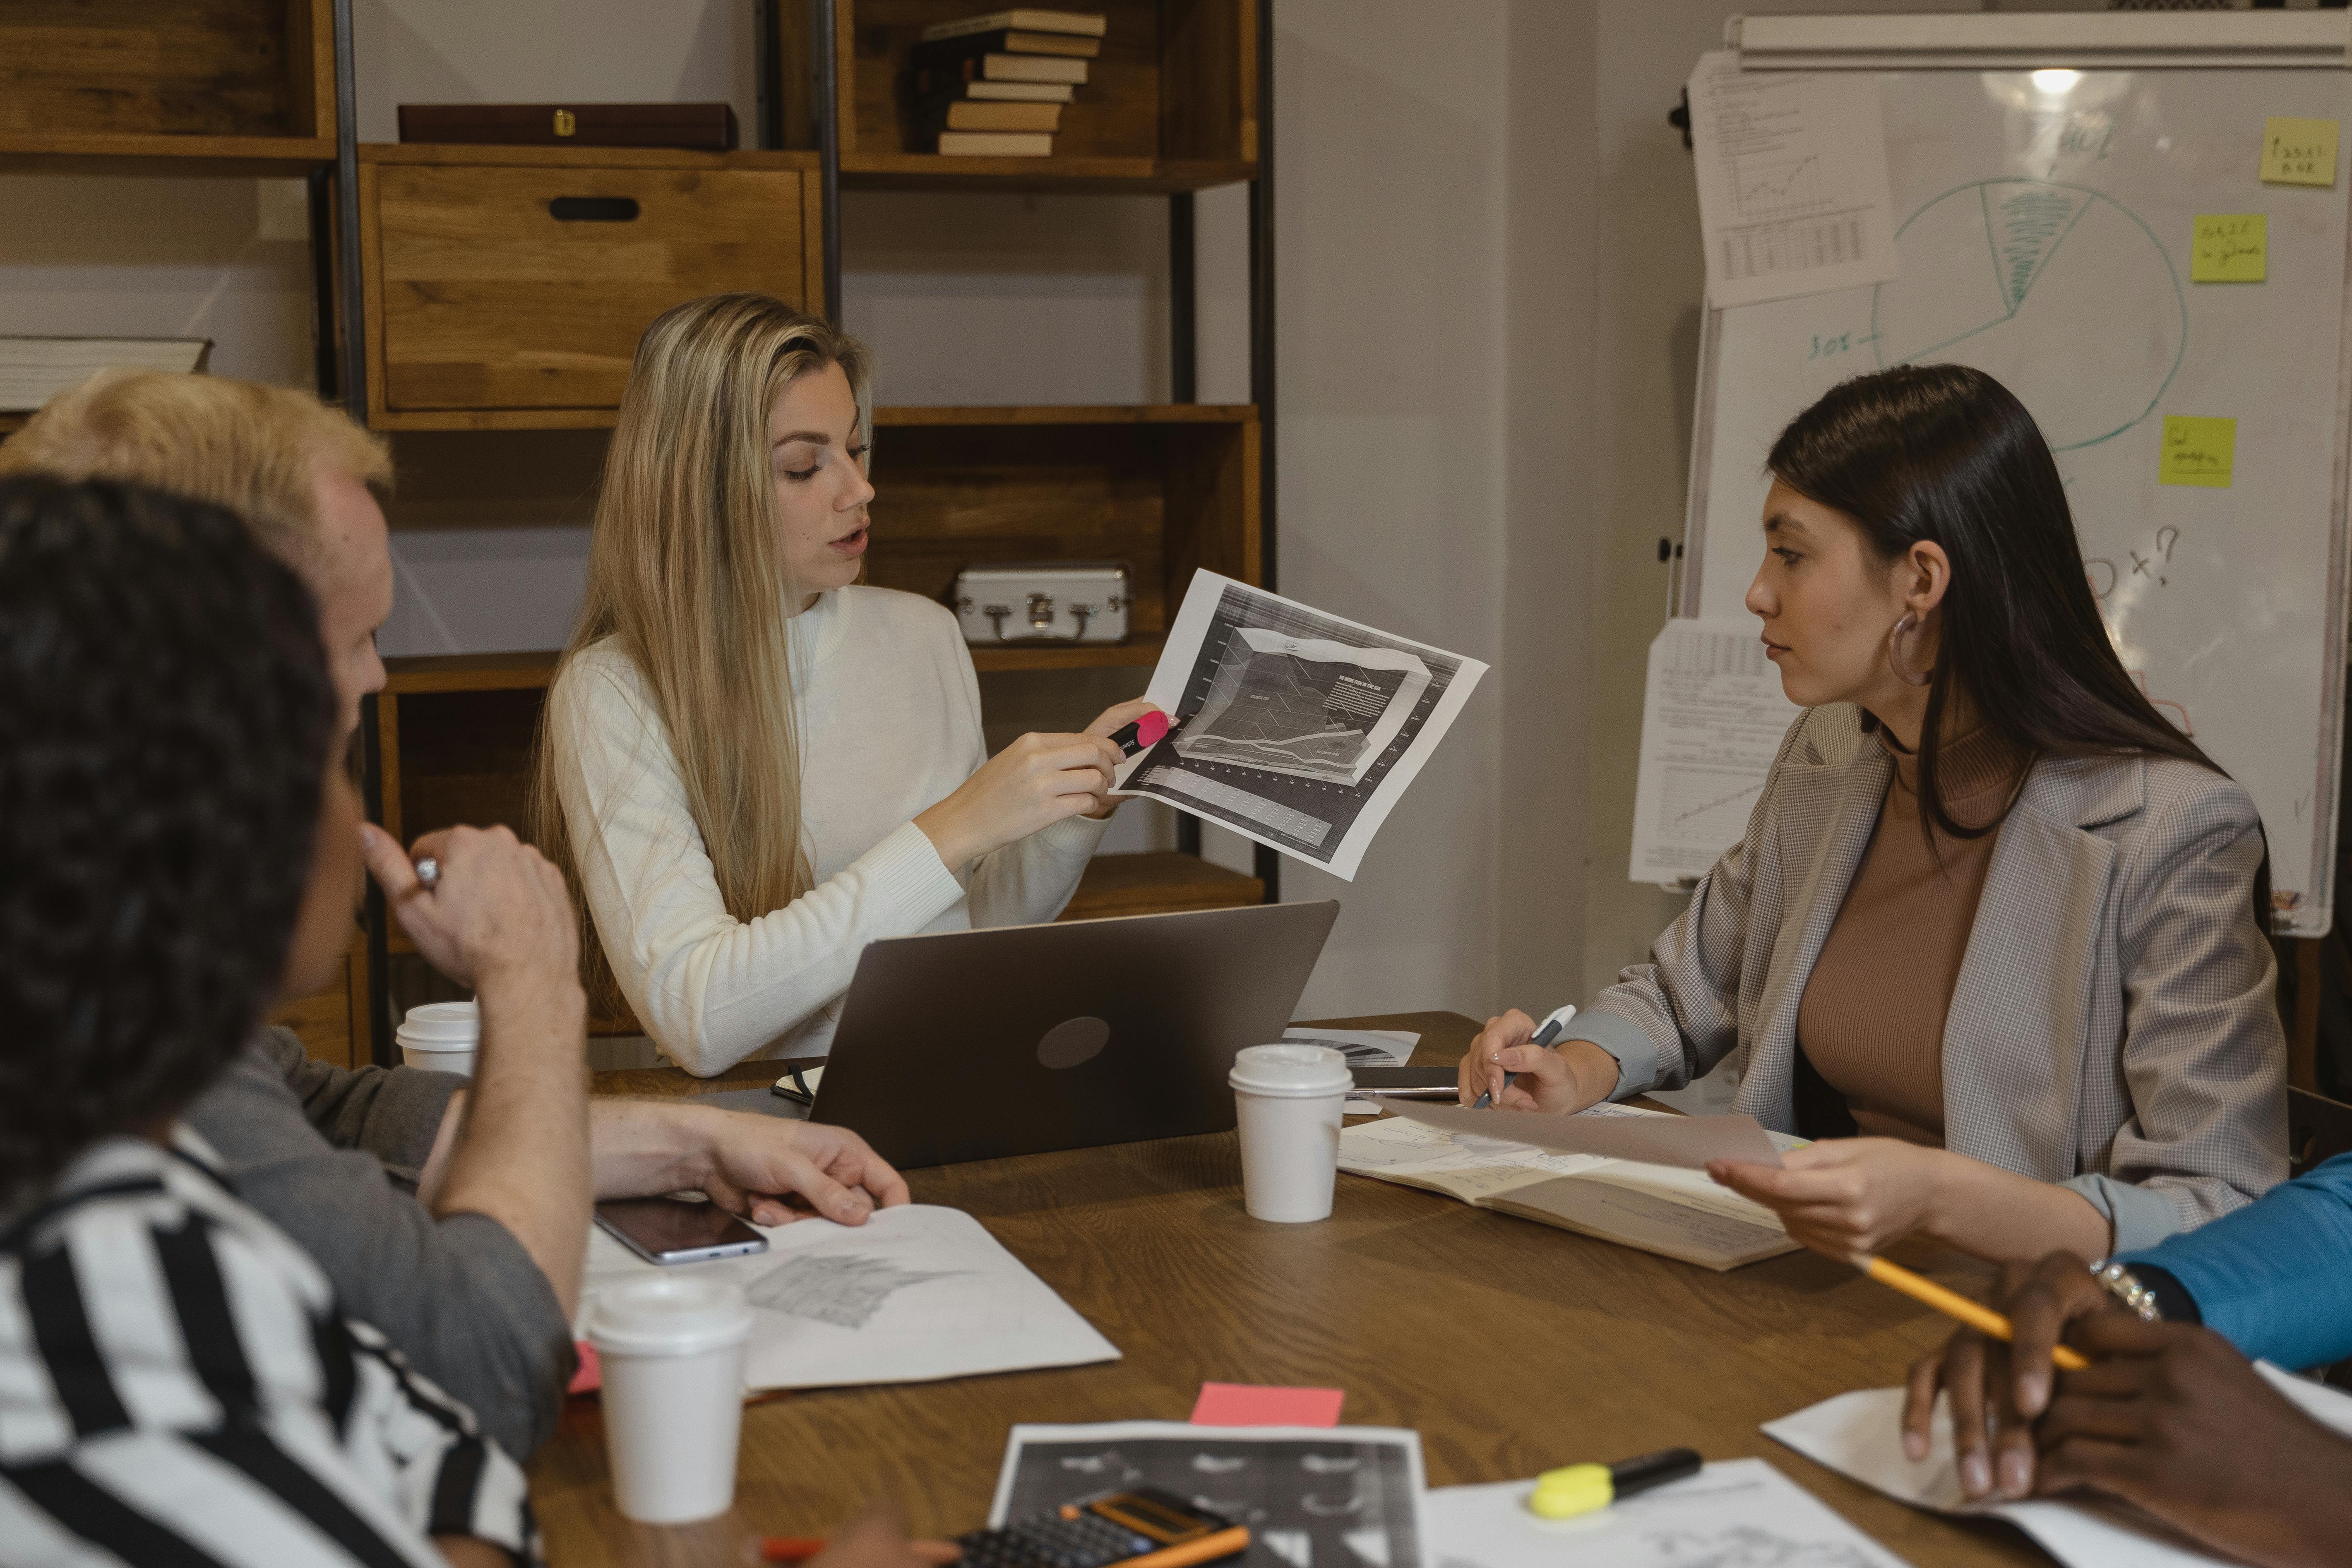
{"x": 1276, "y": 711}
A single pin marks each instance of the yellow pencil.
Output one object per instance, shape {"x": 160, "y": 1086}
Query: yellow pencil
{"x": 1984, "y": 1320}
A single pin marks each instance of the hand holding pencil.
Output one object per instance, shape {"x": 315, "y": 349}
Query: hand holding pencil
{"x": 1999, "y": 1374}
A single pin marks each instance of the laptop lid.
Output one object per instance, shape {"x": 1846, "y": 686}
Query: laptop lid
{"x": 972, "y": 1045}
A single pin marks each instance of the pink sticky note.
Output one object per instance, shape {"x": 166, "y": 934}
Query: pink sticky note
{"x": 591, "y": 1376}
{"x": 1262, "y": 1404}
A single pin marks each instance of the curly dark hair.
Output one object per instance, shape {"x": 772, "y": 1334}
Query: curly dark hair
{"x": 164, "y": 723}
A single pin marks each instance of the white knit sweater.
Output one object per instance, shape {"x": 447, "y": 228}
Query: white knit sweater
{"x": 889, "y": 712}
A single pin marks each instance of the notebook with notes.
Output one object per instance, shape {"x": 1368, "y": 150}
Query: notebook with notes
{"x": 1664, "y": 1209}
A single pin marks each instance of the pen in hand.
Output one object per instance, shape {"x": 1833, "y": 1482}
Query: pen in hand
{"x": 1543, "y": 1036}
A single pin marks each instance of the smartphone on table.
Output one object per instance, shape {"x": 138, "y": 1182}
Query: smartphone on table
{"x": 1146, "y": 1528}
{"x": 674, "y": 1230}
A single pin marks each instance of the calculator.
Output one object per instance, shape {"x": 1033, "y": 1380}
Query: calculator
{"x": 1146, "y": 1528}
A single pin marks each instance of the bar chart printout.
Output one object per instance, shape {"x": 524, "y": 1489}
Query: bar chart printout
{"x": 1713, "y": 717}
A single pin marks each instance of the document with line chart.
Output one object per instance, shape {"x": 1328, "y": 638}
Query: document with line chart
{"x": 1294, "y": 728}
{"x": 1713, "y": 717}
{"x": 916, "y": 1293}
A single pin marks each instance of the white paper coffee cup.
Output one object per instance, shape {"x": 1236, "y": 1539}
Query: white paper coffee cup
{"x": 442, "y": 1036}
{"x": 671, "y": 1348}
{"x": 1288, "y": 1099}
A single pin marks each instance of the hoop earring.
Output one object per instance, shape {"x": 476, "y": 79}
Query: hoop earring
{"x": 1909, "y": 622}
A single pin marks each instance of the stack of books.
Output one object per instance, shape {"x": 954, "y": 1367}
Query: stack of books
{"x": 993, "y": 86}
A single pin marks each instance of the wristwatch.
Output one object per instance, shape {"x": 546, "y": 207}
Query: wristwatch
{"x": 2120, "y": 1282}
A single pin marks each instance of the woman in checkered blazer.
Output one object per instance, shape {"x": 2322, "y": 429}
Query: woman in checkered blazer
{"x": 1997, "y": 931}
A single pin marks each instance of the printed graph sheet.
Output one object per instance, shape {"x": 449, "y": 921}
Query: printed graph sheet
{"x": 1713, "y": 718}
{"x": 1294, "y": 728}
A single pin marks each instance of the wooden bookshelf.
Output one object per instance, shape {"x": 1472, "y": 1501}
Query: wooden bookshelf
{"x": 149, "y": 86}
{"x": 490, "y": 304}
{"x": 1169, "y": 105}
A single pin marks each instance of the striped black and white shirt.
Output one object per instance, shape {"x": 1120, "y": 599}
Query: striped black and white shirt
{"x": 178, "y": 1387}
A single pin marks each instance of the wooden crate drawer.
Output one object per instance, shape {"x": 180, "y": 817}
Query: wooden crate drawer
{"x": 489, "y": 300}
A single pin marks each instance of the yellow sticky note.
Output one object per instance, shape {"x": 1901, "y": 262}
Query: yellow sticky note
{"x": 2299, "y": 151}
{"x": 2227, "y": 248}
{"x": 2198, "y": 451}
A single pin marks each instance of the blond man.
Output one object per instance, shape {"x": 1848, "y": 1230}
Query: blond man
{"x": 357, "y": 1165}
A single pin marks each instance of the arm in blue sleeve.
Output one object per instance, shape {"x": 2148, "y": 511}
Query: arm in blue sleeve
{"x": 2275, "y": 1278}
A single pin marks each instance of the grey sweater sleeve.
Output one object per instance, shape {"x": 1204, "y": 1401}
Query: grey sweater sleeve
{"x": 458, "y": 1296}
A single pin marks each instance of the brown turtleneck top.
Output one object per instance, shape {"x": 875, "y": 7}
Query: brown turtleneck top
{"x": 1872, "y": 1017}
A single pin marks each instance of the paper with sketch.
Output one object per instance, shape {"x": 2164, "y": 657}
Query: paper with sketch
{"x": 1737, "y": 1513}
{"x": 1713, "y": 718}
{"x": 1312, "y": 1497}
{"x": 1792, "y": 189}
{"x": 1363, "y": 1048}
{"x": 1291, "y": 727}
{"x": 1860, "y": 1435}
{"x": 1689, "y": 1141}
{"x": 916, "y": 1293}
{"x": 1664, "y": 1209}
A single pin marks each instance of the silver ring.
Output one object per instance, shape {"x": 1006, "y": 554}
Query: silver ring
{"x": 428, "y": 872}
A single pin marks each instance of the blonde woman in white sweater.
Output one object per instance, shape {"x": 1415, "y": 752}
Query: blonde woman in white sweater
{"x": 751, "y": 766}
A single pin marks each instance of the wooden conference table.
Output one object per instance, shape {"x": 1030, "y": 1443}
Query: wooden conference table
{"x": 1512, "y": 1347}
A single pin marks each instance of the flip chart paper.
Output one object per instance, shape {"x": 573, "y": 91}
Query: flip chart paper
{"x": 1267, "y": 1405}
{"x": 2299, "y": 151}
{"x": 1690, "y": 1141}
{"x": 2198, "y": 451}
{"x": 2229, "y": 247}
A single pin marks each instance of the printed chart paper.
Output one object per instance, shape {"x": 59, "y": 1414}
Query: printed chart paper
{"x": 1793, "y": 190}
{"x": 1736, "y": 1513}
{"x": 917, "y": 1292}
{"x": 1859, "y": 1434}
{"x": 1713, "y": 718}
{"x": 1341, "y": 1497}
{"x": 1296, "y": 729}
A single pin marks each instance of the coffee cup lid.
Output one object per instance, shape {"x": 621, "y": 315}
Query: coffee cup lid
{"x": 669, "y": 1314}
{"x": 459, "y": 1023}
{"x": 1290, "y": 1070}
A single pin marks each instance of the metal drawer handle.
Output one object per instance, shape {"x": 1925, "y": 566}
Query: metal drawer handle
{"x": 592, "y": 209}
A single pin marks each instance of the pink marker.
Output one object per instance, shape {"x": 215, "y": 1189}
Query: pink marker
{"x": 1148, "y": 731}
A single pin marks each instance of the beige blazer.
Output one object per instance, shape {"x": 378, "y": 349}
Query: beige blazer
{"x": 2114, "y": 1026}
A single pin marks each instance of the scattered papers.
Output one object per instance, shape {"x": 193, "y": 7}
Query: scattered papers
{"x": 1349, "y": 1495}
{"x": 1296, "y": 729}
{"x": 1736, "y": 1511}
{"x": 2299, "y": 151}
{"x": 1713, "y": 718}
{"x": 916, "y": 1293}
{"x": 1267, "y": 1405}
{"x": 1610, "y": 1132}
{"x": 1363, "y": 1048}
{"x": 1859, "y": 1434}
{"x": 2197, "y": 452}
{"x": 2229, "y": 247}
{"x": 1792, "y": 189}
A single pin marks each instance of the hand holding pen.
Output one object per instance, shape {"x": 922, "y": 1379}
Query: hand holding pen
{"x": 1483, "y": 1070}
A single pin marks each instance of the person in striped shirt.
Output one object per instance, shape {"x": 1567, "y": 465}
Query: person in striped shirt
{"x": 178, "y": 1383}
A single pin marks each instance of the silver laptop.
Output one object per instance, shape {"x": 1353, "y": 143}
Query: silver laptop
{"x": 972, "y": 1045}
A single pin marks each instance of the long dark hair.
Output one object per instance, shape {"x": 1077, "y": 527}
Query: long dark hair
{"x": 1945, "y": 453}
{"x": 168, "y": 714}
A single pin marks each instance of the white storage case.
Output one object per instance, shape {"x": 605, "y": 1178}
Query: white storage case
{"x": 1044, "y": 601}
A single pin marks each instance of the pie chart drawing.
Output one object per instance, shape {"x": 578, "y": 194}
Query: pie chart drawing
{"x": 2059, "y": 291}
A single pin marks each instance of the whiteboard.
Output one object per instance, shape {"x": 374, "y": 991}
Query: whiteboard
{"x": 2044, "y": 235}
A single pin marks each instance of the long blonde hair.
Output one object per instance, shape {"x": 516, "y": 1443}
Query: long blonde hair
{"x": 687, "y": 576}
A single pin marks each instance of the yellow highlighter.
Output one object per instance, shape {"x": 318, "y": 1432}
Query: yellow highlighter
{"x": 1580, "y": 1488}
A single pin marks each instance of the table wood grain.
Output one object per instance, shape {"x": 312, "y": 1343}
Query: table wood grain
{"x": 1512, "y": 1347}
